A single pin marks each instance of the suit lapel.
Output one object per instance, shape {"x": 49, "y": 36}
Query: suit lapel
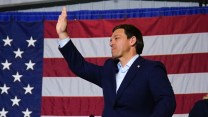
{"x": 129, "y": 76}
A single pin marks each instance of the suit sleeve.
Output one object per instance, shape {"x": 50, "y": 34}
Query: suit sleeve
{"x": 162, "y": 91}
{"x": 79, "y": 66}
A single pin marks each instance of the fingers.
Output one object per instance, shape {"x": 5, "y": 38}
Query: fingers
{"x": 64, "y": 12}
{"x": 63, "y": 15}
{"x": 61, "y": 26}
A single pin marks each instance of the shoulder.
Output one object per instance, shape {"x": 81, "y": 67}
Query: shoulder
{"x": 199, "y": 109}
{"x": 152, "y": 63}
{"x": 202, "y": 103}
{"x": 152, "y": 66}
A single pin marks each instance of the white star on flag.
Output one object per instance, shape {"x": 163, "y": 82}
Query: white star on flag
{"x": 4, "y": 89}
{"x": 3, "y": 113}
{"x": 17, "y": 77}
{"x": 15, "y": 101}
{"x": 27, "y": 113}
{"x": 6, "y": 65}
{"x": 28, "y": 89}
{"x": 18, "y": 53}
{"x": 29, "y": 65}
{"x": 31, "y": 42}
{"x": 7, "y": 41}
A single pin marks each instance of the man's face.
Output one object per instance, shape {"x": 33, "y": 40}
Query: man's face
{"x": 119, "y": 43}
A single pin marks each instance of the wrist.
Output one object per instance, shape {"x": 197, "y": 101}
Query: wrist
{"x": 63, "y": 35}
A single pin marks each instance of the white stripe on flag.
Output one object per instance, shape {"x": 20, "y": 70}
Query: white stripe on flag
{"x": 153, "y": 45}
{"x": 189, "y": 83}
{"x": 75, "y": 86}
{"x": 180, "y": 115}
{"x": 62, "y": 86}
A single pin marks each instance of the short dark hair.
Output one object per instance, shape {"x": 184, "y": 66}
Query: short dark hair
{"x": 131, "y": 31}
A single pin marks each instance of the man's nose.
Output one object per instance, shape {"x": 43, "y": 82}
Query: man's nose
{"x": 111, "y": 43}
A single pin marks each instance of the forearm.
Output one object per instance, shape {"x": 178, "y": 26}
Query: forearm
{"x": 79, "y": 66}
{"x": 73, "y": 57}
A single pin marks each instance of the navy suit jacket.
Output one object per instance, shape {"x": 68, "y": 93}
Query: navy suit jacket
{"x": 144, "y": 92}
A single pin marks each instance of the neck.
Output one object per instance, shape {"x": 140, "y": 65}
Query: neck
{"x": 125, "y": 60}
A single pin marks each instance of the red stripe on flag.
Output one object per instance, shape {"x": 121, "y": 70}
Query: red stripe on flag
{"x": 183, "y": 63}
{"x": 185, "y": 102}
{"x": 196, "y": 63}
{"x": 72, "y": 106}
{"x": 57, "y": 67}
{"x": 148, "y": 26}
{"x": 84, "y": 106}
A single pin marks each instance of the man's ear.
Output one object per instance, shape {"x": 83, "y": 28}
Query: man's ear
{"x": 133, "y": 41}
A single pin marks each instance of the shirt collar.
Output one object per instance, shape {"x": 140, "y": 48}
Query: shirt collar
{"x": 128, "y": 65}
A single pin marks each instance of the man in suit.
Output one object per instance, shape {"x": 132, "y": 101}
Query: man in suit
{"x": 132, "y": 86}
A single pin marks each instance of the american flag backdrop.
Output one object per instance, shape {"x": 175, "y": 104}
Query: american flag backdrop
{"x": 35, "y": 79}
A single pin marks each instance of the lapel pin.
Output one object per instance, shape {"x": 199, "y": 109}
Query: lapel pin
{"x": 138, "y": 66}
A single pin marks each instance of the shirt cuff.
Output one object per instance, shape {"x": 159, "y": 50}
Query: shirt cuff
{"x": 63, "y": 42}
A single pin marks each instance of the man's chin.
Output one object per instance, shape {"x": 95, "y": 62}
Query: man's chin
{"x": 115, "y": 57}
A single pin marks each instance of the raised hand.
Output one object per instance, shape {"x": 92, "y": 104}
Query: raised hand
{"x": 61, "y": 26}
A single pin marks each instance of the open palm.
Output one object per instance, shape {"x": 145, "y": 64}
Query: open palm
{"x": 61, "y": 26}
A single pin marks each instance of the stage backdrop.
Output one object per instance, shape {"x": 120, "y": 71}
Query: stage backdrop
{"x": 36, "y": 81}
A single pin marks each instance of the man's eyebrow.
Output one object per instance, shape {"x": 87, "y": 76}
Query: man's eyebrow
{"x": 115, "y": 35}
